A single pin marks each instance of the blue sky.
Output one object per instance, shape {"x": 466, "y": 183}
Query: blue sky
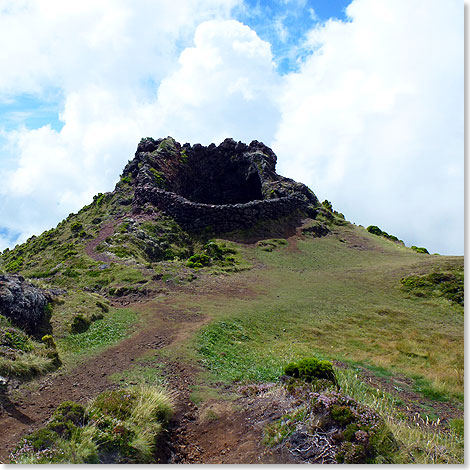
{"x": 30, "y": 111}
{"x": 362, "y": 100}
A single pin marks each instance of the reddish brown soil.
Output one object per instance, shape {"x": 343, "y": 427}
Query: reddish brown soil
{"x": 106, "y": 231}
{"x": 31, "y": 409}
{"x": 230, "y": 438}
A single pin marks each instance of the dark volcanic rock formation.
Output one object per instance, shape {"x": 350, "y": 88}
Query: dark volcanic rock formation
{"x": 23, "y": 303}
{"x": 223, "y": 187}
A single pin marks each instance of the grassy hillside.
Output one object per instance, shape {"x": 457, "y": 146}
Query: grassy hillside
{"x": 389, "y": 318}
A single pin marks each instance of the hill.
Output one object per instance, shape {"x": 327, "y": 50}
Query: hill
{"x": 206, "y": 273}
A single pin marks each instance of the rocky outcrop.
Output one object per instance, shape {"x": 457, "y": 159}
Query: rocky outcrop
{"x": 23, "y": 303}
{"x": 223, "y": 187}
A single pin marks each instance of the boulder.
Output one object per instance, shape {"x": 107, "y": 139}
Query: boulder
{"x": 23, "y": 303}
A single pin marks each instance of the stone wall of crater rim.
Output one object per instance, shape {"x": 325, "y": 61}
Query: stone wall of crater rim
{"x": 226, "y": 217}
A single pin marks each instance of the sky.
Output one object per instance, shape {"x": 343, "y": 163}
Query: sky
{"x": 362, "y": 100}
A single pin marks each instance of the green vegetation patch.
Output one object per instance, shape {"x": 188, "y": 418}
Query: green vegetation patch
{"x": 380, "y": 233}
{"x": 227, "y": 350}
{"x": 145, "y": 373}
{"x": 311, "y": 368}
{"x": 22, "y": 356}
{"x": 420, "y": 249}
{"x": 119, "y": 426}
{"x": 215, "y": 253}
{"x": 271, "y": 244}
{"x": 449, "y": 285}
{"x": 100, "y": 334}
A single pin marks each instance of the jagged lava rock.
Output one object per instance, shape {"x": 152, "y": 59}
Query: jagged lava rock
{"x": 22, "y": 302}
{"x": 224, "y": 187}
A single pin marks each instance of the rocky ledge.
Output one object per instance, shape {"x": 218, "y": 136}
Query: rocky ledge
{"x": 223, "y": 188}
{"x": 23, "y": 303}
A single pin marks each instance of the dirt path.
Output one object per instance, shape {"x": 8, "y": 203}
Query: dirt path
{"x": 105, "y": 232}
{"x": 234, "y": 437}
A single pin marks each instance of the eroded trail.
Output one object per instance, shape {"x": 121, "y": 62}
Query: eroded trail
{"x": 31, "y": 409}
{"x": 193, "y": 438}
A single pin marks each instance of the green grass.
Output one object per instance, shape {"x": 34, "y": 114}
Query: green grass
{"x": 21, "y": 355}
{"x": 418, "y": 443}
{"x": 339, "y": 303}
{"x": 141, "y": 374}
{"x": 102, "y": 333}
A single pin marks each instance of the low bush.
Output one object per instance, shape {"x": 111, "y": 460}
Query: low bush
{"x": 198, "y": 261}
{"x": 80, "y": 324}
{"x": 311, "y": 368}
{"x": 76, "y": 227}
{"x": 420, "y": 249}
{"x": 374, "y": 230}
{"x": 449, "y": 285}
{"x": 354, "y": 432}
{"x": 380, "y": 233}
{"x": 119, "y": 426}
{"x": 327, "y": 205}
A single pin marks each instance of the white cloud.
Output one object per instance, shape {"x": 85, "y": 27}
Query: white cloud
{"x": 374, "y": 118}
{"x": 223, "y": 87}
{"x": 219, "y": 87}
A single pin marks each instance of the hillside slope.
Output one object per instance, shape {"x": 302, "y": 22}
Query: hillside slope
{"x": 140, "y": 296}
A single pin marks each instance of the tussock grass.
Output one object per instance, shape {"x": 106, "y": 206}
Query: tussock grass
{"x": 120, "y": 426}
{"x": 21, "y": 355}
{"x": 26, "y": 364}
{"x": 420, "y": 441}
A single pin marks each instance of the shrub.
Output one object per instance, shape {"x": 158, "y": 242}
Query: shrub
{"x": 15, "y": 264}
{"x": 98, "y": 200}
{"x": 446, "y": 284}
{"x": 115, "y": 404}
{"x": 374, "y": 230}
{"x": 420, "y": 249}
{"x": 70, "y": 411}
{"x": 16, "y": 339}
{"x": 198, "y": 261}
{"x": 310, "y": 369}
{"x": 356, "y": 433}
{"x": 342, "y": 414}
{"x": 42, "y": 439}
{"x": 80, "y": 324}
{"x": 213, "y": 250}
{"x": 327, "y": 205}
{"x": 119, "y": 426}
{"x": 291, "y": 370}
{"x": 76, "y": 227}
{"x": 48, "y": 340}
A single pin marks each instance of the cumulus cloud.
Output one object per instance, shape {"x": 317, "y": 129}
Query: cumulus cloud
{"x": 223, "y": 87}
{"x": 373, "y": 120}
{"x": 220, "y": 85}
